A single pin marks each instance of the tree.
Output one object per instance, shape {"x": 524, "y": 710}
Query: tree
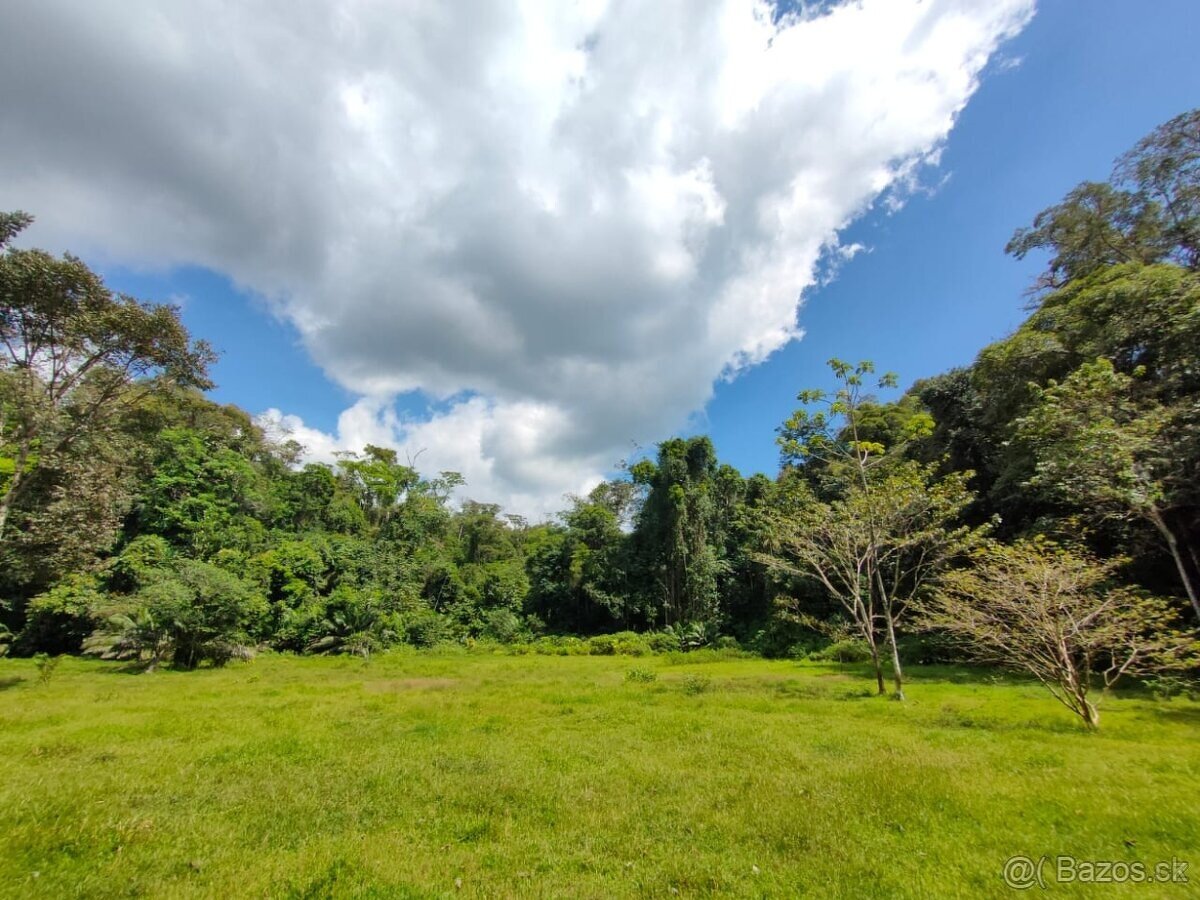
{"x": 1149, "y": 211}
{"x": 836, "y": 437}
{"x": 1164, "y": 168}
{"x": 577, "y": 571}
{"x": 1039, "y": 608}
{"x": 193, "y": 611}
{"x": 1094, "y": 442}
{"x": 878, "y": 549}
{"x": 379, "y": 480}
{"x": 678, "y": 531}
{"x": 73, "y": 355}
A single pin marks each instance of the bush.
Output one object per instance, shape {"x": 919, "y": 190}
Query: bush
{"x": 1168, "y": 686}
{"x": 782, "y": 638}
{"x": 602, "y": 645}
{"x": 695, "y": 635}
{"x": 640, "y": 676}
{"x": 569, "y": 646}
{"x": 46, "y": 666}
{"x": 931, "y": 648}
{"x": 848, "y": 650}
{"x": 425, "y": 628}
{"x": 555, "y": 645}
{"x": 193, "y": 613}
{"x": 141, "y": 562}
{"x": 696, "y": 684}
{"x": 662, "y": 641}
{"x": 59, "y": 620}
{"x": 630, "y": 643}
{"x": 725, "y": 642}
{"x": 357, "y": 622}
{"x": 503, "y": 625}
{"x": 623, "y": 643}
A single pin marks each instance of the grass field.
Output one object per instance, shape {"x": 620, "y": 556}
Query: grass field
{"x": 433, "y": 774}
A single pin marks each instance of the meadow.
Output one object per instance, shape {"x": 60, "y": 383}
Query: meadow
{"x": 424, "y": 774}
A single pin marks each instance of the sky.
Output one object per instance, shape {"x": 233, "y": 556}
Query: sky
{"x": 525, "y": 241}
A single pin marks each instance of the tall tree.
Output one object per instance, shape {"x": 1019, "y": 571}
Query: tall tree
{"x": 1149, "y": 211}
{"x": 74, "y": 356}
{"x": 875, "y": 524}
{"x": 1096, "y": 443}
{"x": 678, "y": 533}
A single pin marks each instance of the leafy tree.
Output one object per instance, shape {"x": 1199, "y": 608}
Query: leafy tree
{"x": 578, "y": 571}
{"x": 1148, "y": 212}
{"x": 1039, "y": 608}
{"x": 203, "y": 496}
{"x": 72, "y": 352}
{"x": 381, "y": 483}
{"x": 60, "y": 619}
{"x": 878, "y": 549}
{"x": 1096, "y": 443}
{"x": 194, "y": 612}
{"x": 678, "y": 532}
{"x": 832, "y": 431}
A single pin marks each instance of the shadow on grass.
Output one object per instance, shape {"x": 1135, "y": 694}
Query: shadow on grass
{"x": 132, "y": 667}
{"x": 1189, "y": 715}
{"x": 11, "y": 682}
{"x": 950, "y": 674}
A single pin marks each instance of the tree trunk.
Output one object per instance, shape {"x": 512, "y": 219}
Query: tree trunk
{"x": 877, "y": 663}
{"x": 897, "y": 672}
{"x": 1087, "y": 711}
{"x": 885, "y": 603}
{"x": 1173, "y": 543}
{"x": 14, "y": 483}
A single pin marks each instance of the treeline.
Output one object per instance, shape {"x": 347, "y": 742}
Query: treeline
{"x": 138, "y": 518}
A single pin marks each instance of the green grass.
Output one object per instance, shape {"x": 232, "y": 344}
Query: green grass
{"x": 421, "y": 775}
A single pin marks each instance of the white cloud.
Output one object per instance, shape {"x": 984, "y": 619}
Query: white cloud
{"x": 580, "y": 214}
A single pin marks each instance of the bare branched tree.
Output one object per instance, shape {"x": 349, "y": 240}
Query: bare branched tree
{"x": 1039, "y": 608}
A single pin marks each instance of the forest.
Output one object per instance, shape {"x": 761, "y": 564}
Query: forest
{"x": 1038, "y": 510}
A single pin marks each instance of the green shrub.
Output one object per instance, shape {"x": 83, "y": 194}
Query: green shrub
{"x": 782, "y": 638}
{"x": 60, "y": 619}
{"x": 571, "y": 646}
{"x": 640, "y": 676}
{"x": 630, "y": 643}
{"x": 1167, "y": 686}
{"x": 602, "y": 645}
{"x": 425, "y": 628}
{"x": 695, "y": 635}
{"x": 623, "y": 643}
{"x": 848, "y": 650}
{"x": 662, "y": 641}
{"x": 503, "y": 625}
{"x": 46, "y": 666}
{"x": 141, "y": 562}
{"x": 559, "y": 645}
{"x": 192, "y": 613}
{"x": 696, "y": 684}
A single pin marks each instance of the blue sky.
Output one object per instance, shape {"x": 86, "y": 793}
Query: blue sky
{"x": 347, "y": 213}
{"x": 1094, "y": 77}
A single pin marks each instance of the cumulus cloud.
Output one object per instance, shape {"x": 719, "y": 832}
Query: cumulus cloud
{"x": 564, "y": 220}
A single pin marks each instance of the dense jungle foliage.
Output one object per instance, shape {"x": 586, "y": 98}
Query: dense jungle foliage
{"x": 138, "y": 518}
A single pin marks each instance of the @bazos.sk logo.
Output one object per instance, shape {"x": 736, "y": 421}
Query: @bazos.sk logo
{"x": 1023, "y": 872}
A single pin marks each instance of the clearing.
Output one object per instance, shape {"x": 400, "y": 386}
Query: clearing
{"x": 473, "y": 774}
